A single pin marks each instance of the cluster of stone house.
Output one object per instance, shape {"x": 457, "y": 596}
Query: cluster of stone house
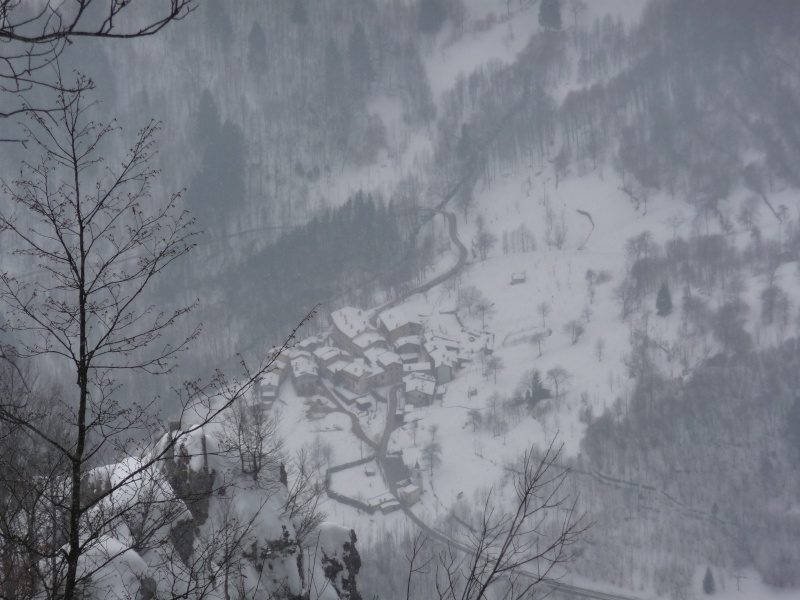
{"x": 361, "y": 356}
{"x": 393, "y": 351}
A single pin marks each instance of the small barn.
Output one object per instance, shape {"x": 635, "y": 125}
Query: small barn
{"x": 409, "y": 494}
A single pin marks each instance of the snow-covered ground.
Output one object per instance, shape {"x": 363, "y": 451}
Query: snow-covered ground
{"x": 472, "y": 461}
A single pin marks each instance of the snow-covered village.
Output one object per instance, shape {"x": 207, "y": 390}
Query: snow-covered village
{"x": 377, "y": 368}
{"x": 400, "y": 299}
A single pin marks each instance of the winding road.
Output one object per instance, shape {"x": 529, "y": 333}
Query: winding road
{"x": 382, "y": 445}
{"x": 462, "y": 259}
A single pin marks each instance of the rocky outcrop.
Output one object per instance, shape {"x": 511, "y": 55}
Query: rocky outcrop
{"x": 269, "y": 548}
{"x": 341, "y": 561}
{"x": 192, "y": 485}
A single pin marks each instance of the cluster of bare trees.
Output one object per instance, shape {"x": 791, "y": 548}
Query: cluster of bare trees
{"x": 35, "y": 36}
{"x": 513, "y": 551}
{"x": 76, "y": 463}
{"x": 100, "y": 240}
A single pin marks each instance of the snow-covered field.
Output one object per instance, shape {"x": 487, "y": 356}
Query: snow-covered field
{"x": 472, "y": 461}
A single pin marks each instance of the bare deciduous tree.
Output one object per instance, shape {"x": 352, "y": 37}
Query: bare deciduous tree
{"x": 34, "y": 35}
{"x": 432, "y": 454}
{"x": 544, "y": 309}
{"x": 250, "y": 432}
{"x": 494, "y": 364}
{"x": 558, "y": 376}
{"x": 475, "y": 418}
{"x": 599, "y": 349}
{"x": 469, "y": 297}
{"x": 305, "y": 493}
{"x": 99, "y": 240}
{"x": 511, "y": 553}
{"x": 537, "y": 339}
{"x": 574, "y": 329}
{"x": 486, "y": 309}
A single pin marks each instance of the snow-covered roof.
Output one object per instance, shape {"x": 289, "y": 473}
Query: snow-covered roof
{"x": 310, "y": 343}
{"x": 280, "y": 362}
{"x": 351, "y": 321}
{"x": 389, "y": 358}
{"x": 303, "y": 365}
{"x": 416, "y": 367}
{"x": 367, "y": 339}
{"x": 442, "y": 357}
{"x": 420, "y": 382}
{"x": 296, "y": 353}
{"x": 338, "y": 365}
{"x": 270, "y": 378}
{"x": 372, "y": 354}
{"x": 326, "y": 353}
{"x": 397, "y": 317}
{"x": 381, "y": 357}
{"x": 357, "y": 368}
{"x": 277, "y": 352}
{"x": 407, "y": 339}
{"x": 438, "y": 339}
{"x": 408, "y": 489}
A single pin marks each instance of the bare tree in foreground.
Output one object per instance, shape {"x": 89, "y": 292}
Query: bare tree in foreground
{"x": 250, "y": 433}
{"x": 34, "y": 34}
{"x": 510, "y": 554}
{"x": 99, "y": 240}
{"x": 306, "y": 490}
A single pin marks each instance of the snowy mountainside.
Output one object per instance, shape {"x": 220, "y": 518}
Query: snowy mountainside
{"x": 604, "y": 236}
{"x": 645, "y": 145}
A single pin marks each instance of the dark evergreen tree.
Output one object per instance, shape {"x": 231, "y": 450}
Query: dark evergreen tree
{"x": 257, "y": 49}
{"x": 359, "y": 57}
{"x": 708, "y": 582}
{"x": 338, "y": 105}
{"x": 432, "y": 14}
{"x": 335, "y": 88}
{"x": 231, "y": 165}
{"x": 727, "y": 325}
{"x": 218, "y": 23}
{"x": 218, "y": 190}
{"x": 792, "y": 426}
{"x": 299, "y": 15}
{"x": 663, "y": 301}
{"x": 465, "y": 147}
{"x": 207, "y": 124}
{"x": 550, "y": 14}
{"x": 320, "y": 261}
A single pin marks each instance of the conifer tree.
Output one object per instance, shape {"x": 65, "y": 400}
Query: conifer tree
{"x": 208, "y": 123}
{"x": 432, "y": 14}
{"x": 663, "y": 301}
{"x": 359, "y": 57}
{"x": 792, "y": 425}
{"x": 550, "y": 14}
{"x": 335, "y": 88}
{"x": 299, "y": 15}
{"x": 257, "y": 49}
{"x": 219, "y": 23}
{"x": 708, "y": 582}
{"x": 219, "y": 188}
